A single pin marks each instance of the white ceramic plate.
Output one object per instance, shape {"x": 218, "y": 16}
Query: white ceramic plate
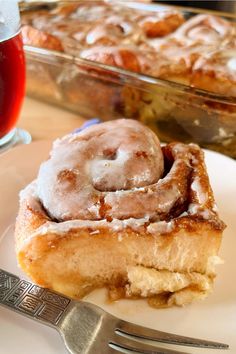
{"x": 213, "y": 319}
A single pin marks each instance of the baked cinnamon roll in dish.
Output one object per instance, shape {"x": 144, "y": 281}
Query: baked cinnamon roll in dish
{"x": 112, "y": 208}
{"x": 121, "y": 56}
{"x": 163, "y": 43}
{"x": 38, "y": 38}
{"x": 206, "y": 29}
{"x": 216, "y": 72}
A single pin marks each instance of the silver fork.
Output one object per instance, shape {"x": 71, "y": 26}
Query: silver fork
{"x": 84, "y": 327}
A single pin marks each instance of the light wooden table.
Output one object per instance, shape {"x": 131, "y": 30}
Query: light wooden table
{"x": 45, "y": 122}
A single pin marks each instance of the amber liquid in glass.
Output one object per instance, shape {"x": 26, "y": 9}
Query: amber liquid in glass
{"x": 12, "y": 82}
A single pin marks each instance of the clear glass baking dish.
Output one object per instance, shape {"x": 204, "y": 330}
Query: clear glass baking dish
{"x": 92, "y": 89}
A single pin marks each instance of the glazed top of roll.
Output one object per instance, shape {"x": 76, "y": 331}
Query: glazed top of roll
{"x": 104, "y": 160}
{"x": 117, "y": 171}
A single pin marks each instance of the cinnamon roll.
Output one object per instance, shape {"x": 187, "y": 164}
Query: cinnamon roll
{"x": 174, "y": 61}
{"x": 194, "y": 39}
{"x": 205, "y": 29}
{"x": 40, "y": 38}
{"x": 120, "y": 56}
{"x": 161, "y": 24}
{"x": 216, "y": 72}
{"x": 111, "y": 208}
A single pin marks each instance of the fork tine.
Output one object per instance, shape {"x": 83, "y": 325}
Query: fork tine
{"x": 164, "y": 337}
{"x": 121, "y": 343}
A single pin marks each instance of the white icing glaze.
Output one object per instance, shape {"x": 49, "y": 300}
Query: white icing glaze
{"x": 96, "y": 34}
{"x": 204, "y": 28}
{"x": 215, "y": 208}
{"x": 95, "y": 232}
{"x": 197, "y": 188}
{"x": 232, "y": 64}
{"x": 119, "y": 20}
{"x": 160, "y": 227}
{"x": 197, "y": 209}
{"x": 193, "y": 208}
{"x": 185, "y": 213}
{"x": 104, "y": 32}
{"x": 29, "y": 194}
{"x": 62, "y": 228}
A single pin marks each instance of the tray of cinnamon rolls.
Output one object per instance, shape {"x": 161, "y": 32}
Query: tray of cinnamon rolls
{"x": 171, "y": 69}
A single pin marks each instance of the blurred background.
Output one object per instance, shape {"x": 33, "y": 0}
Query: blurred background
{"x": 218, "y": 5}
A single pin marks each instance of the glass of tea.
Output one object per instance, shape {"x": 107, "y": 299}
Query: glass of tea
{"x": 12, "y": 75}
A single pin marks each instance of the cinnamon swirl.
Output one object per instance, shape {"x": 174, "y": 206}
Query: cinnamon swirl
{"x": 205, "y": 29}
{"x": 111, "y": 208}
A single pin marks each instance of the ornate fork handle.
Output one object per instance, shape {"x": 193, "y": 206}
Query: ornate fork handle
{"x": 84, "y": 327}
{"x": 31, "y": 300}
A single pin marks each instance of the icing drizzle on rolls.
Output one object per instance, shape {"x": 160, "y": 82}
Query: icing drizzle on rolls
{"x": 115, "y": 170}
{"x": 205, "y": 28}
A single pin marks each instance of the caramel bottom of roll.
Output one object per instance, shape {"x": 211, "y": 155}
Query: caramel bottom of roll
{"x": 172, "y": 265}
{"x": 163, "y": 288}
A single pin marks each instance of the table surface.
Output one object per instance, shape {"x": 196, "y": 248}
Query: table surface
{"x": 46, "y": 122}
